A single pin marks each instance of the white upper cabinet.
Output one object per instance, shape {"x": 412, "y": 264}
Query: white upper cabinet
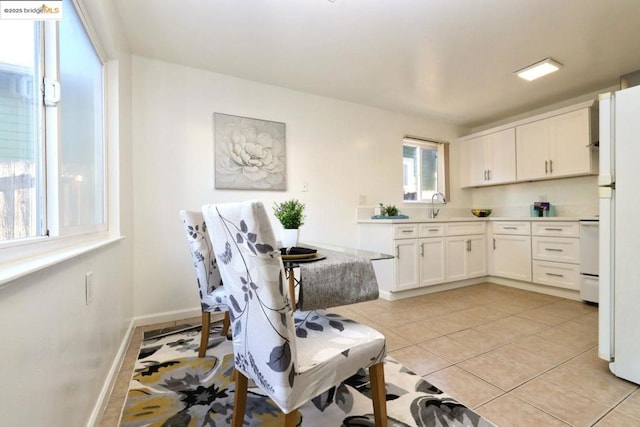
{"x": 489, "y": 159}
{"x": 555, "y": 147}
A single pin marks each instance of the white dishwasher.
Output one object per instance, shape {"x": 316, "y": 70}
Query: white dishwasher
{"x": 589, "y": 259}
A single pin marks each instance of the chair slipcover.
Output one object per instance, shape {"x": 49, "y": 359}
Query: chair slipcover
{"x": 213, "y": 296}
{"x": 291, "y": 359}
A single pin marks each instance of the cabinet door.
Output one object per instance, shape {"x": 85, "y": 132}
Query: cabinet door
{"x": 570, "y": 152}
{"x": 532, "y": 145}
{"x": 477, "y": 160}
{"x": 432, "y": 261}
{"x": 406, "y": 264}
{"x": 473, "y": 162}
{"x": 476, "y": 253}
{"x": 456, "y": 256}
{"x": 466, "y": 257}
{"x": 501, "y": 154}
{"x": 512, "y": 257}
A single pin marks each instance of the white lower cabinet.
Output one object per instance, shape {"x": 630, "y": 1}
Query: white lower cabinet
{"x": 466, "y": 257}
{"x": 511, "y": 250}
{"x": 558, "y": 274}
{"x": 466, "y": 252}
{"x": 556, "y": 254}
{"x": 407, "y": 270}
{"x": 432, "y": 261}
{"x": 429, "y": 253}
{"x": 419, "y": 252}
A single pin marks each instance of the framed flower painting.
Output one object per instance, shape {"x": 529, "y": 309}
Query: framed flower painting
{"x": 249, "y": 153}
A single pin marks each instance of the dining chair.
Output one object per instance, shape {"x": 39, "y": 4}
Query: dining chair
{"x": 291, "y": 358}
{"x": 213, "y": 296}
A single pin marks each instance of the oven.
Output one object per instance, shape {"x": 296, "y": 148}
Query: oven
{"x": 589, "y": 259}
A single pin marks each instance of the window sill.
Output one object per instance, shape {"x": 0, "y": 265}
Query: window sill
{"x": 28, "y": 265}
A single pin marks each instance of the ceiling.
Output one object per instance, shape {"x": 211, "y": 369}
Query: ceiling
{"x": 448, "y": 59}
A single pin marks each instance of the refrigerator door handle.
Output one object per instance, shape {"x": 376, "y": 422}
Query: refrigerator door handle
{"x": 606, "y": 179}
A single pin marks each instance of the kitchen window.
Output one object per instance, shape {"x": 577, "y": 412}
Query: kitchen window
{"x": 52, "y": 145}
{"x": 424, "y": 169}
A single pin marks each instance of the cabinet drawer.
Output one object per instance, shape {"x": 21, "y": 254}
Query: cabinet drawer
{"x": 431, "y": 230}
{"x": 556, "y": 274}
{"x": 522, "y": 228}
{"x": 405, "y": 231}
{"x": 560, "y": 249}
{"x": 555, "y": 228}
{"x": 464, "y": 228}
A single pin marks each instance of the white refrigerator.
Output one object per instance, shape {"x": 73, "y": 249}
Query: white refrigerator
{"x": 619, "y": 192}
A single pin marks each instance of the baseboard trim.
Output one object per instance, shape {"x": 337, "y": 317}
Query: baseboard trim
{"x": 110, "y": 380}
{"x": 394, "y": 296}
{"x": 527, "y": 286}
{"x": 167, "y": 316}
{"x": 534, "y": 287}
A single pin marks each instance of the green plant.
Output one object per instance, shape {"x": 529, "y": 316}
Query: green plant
{"x": 391, "y": 210}
{"x": 290, "y": 213}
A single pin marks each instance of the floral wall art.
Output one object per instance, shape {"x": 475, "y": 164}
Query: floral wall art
{"x": 249, "y": 153}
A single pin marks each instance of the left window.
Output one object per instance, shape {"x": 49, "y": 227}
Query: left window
{"x": 52, "y": 143}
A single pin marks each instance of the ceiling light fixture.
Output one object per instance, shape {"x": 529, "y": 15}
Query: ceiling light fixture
{"x": 539, "y": 69}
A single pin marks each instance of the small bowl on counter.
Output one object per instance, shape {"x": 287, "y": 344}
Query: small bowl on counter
{"x": 481, "y": 213}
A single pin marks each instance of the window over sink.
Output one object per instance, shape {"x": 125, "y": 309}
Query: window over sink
{"x": 424, "y": 169}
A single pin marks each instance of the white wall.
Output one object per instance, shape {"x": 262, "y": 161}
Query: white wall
{"x": 571, "y": 197}
{"x": 56, "y": 351}
{"x": 342, "y": 150}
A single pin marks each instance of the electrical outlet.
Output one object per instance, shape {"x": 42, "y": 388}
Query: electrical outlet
{"x": 88, "y": 287}
{"x": 304, "y": 186}
{"x": 362, "y": 200}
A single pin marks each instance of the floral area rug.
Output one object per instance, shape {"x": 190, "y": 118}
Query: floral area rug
{"x": 172, "y": 387}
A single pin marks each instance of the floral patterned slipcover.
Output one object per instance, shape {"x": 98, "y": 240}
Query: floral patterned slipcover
{"x": 213, "y": 296}
{"x": 291, "y": 359}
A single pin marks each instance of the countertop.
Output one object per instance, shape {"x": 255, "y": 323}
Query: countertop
{"x": 471, "y": 218}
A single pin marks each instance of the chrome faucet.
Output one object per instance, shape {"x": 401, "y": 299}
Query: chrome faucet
{"x": 439, "y": 197}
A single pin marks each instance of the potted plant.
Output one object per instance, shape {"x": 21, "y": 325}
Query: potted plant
{"x": 291, "y": 215}
{"x": 391, "y": 210}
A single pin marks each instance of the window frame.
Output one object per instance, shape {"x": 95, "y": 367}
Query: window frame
{"x": 443, "y": 165}
{"x": 20, "y": 257}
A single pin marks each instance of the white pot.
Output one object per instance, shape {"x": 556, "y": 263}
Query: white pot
{"x": 289, "y": 237}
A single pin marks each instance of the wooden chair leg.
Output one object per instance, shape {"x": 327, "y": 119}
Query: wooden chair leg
{"x": 239, "y": 400}
{"x": 290, "y": 419}
{"x": 378, "y": 394}
{"x": 204, "y": 334}
{"x": 226, "y": 322}
{"x": 292, "y": 288}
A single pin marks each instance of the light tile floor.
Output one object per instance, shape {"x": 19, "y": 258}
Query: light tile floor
{"x": 518, "y": 358}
